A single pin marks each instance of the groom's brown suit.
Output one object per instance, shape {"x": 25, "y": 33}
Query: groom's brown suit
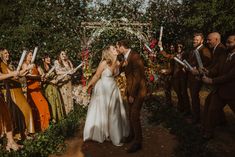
{"x": 136, "y": 88}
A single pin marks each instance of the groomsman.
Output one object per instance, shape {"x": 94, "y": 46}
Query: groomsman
{"x": 218, "y": 51}
{"x": 216, "y": 47}
{"x": 195, "y": 82}
{"x": 225, "y": 87}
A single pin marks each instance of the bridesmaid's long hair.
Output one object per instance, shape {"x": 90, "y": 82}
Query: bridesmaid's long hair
{"x": 107, "y": 56}
{"x": 45, "y": 55}
{"x": 60, "y": 60}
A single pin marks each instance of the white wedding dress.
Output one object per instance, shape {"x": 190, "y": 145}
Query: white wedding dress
{"x": 106, "y": 117}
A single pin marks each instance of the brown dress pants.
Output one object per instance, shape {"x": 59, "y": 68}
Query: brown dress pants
{"x": 195, "y": 87}
{"x": 216, "y": 106}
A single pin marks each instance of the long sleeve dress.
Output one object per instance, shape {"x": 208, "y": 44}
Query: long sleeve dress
{"x": 65, "y": 86}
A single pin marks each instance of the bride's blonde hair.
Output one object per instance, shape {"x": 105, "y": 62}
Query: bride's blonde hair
{"x": 107, "y": 55}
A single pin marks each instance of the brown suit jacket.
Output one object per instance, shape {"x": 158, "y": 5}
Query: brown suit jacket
{"x": 135, "y": 75}
{"x": 205, "y": 57}
{"x": 220, "y": 51}
{"x": 225, "y": 80}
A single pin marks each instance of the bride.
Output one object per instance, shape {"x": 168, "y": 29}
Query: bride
{"x": 106, "y": 118}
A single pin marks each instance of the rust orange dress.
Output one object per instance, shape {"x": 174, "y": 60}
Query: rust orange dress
{"x": 5, "y": 119}
{"x": 37, "y": 101}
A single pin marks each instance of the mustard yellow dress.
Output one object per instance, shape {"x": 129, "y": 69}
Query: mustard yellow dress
{"x": 17, "y": 97}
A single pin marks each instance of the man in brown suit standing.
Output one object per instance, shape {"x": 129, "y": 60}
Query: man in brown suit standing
{"x": 218, "y": 51}
{"x": 135, "y": 92}
{"x": 195, "y": 82}
{"x": 216, "y": 47}
{"x": 225, "y": 87}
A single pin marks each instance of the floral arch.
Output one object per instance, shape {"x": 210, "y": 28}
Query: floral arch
{"x": 134, "y": 28}
{"x": 91, "y": 31}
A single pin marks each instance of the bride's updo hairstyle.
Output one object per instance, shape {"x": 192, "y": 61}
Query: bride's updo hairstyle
{"x": 107, "y": 55}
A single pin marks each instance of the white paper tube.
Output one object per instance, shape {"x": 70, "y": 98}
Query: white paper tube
{"x": 78, "y": 67}
{"x": 179, "y": 61}
{"x": 149, "y": 49}
{"x": 75, "y": 69}
{"x": 198, "y": 57}
{"x": 21, "y": 60}
{"x": 34, "y": 54}
{"x": 161, "y": 32}
{"x": 188, "y": 65}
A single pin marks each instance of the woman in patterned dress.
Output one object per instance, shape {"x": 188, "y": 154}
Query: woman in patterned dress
{"x": 62, "y": 66}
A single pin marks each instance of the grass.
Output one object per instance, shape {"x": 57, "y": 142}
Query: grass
{"x": 52, "y": 140}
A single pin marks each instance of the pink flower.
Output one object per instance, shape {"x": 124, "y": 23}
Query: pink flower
{"x": 151, "y": 78}
{"x": 153, "y": 43}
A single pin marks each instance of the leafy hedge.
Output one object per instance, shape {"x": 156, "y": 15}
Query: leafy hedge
{"x": 52, "y": 140}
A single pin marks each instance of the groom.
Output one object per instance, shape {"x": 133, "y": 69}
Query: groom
{"x": 135, "y": 92}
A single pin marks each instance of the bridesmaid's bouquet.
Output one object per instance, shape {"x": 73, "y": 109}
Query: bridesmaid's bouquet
{"x": 80, "y": 96}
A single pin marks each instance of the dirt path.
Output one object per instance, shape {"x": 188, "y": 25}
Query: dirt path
{"x": 157, "y": 142}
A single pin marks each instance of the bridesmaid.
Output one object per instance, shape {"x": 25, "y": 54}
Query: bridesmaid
{"x": 5, "y": 117}
{"x": 62, "y": 66}
{"x": 51, "y": 91}
{"x": 15, "y": 97}
{"x": 34, "y": 95}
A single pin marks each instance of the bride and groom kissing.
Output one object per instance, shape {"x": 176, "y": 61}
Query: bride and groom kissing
{"x": 107, "y": 119}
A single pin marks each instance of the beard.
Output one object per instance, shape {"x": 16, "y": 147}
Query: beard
{"x": 231, "y": 48}
{"x": 196, "y": 44}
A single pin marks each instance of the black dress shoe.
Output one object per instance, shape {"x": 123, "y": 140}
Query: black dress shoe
{"x": 127, "y": 139}
{"x": 134, "y": 148}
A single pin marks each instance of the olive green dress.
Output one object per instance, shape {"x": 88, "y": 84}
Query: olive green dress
{"x": 53, "y": 96}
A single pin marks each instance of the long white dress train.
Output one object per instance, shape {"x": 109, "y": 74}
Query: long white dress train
{"x": 106, "y": 117}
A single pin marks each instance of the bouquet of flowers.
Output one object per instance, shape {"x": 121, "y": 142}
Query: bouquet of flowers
{"x": 121, "y": 82}
{"x": 80, "y": 96}
{"x": 152, "y": 78}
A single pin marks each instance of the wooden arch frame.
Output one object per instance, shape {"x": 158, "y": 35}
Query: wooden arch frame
{"x": 135, "y": 28}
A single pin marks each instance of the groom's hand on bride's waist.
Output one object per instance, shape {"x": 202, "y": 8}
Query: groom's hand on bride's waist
{"x": 130, "y": 99}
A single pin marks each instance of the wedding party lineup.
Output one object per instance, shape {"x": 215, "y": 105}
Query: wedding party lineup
{"x": 110, "y": 78}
